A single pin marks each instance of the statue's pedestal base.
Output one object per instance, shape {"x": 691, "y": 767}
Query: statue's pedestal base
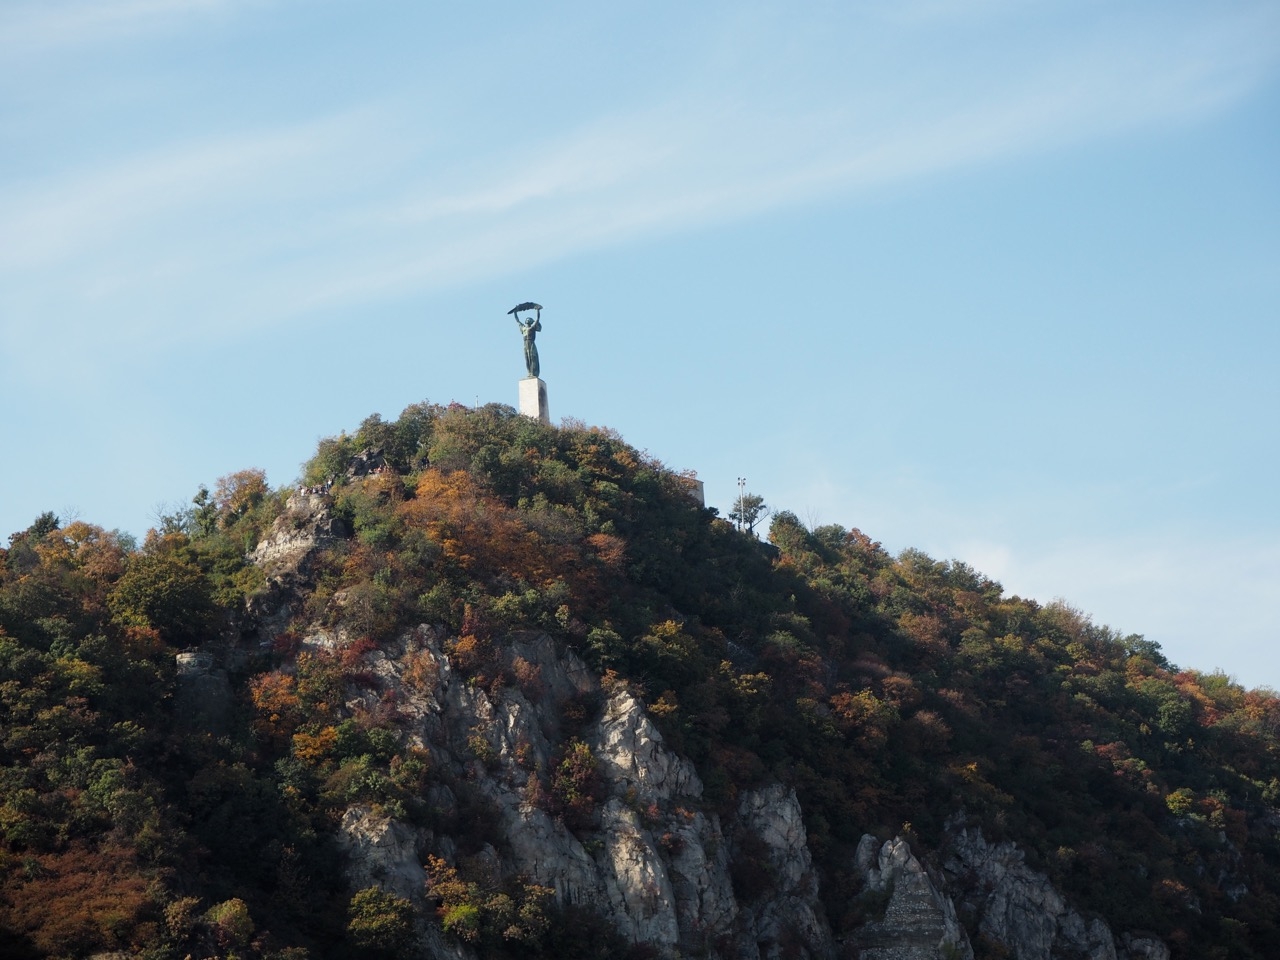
{"x": 533, "y": 399}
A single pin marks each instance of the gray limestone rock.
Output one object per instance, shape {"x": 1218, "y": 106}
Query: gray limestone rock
{"x": 655, "y": 865}
{"x": 665, "y": 870}
{"x": 920, "y": 922}
{"x": 1019, "y": 907}
{"x": 368, "y": 461}
{"x": 305, "y": 525}
{"x": 633, "y": 757}
{"x": 1142, "y": 948}
{"x": 381, "y": 852}
{"x": 638, "y": 886}
{"x": 284, "y": 556}
{"x": 789, "y": 921}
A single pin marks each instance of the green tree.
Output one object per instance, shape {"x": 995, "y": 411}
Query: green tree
{"x": 238, "y": 493}
{"x": 44, "y": 525}
{"x": 167, "y": 594}
{"x": 748, "y": 510}
{"x": 379, "y": 921}
{"x": 205, "y": 515}
{"x": 230, "y": 922}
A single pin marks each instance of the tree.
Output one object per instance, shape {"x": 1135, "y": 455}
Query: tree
{"x": 748, "y": 510}
{"x": 238, "y": 493}
{"x": 44, "y": 525}
{"x": 205, "y": 512}
{"x": 230, "y": 922}
{"x": 167, "y": 594}
{"x": 380, "y": 921}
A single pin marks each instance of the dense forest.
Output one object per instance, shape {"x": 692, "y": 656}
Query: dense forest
{"x": 891, "y": 692}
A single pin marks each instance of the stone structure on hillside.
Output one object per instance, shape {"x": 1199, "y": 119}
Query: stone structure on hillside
{"x": 533, "y": 392}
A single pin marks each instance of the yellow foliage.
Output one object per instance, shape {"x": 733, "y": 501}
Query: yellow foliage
{"x": 478, "y": 534}
{"x": 238, "y": 492}
{"x": 276, "y": 698}
{"x": 666, "y": 705}
{"x": 315, "y": 747}
{"x": 421, "y": 672}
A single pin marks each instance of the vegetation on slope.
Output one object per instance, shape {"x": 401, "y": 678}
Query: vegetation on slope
{"x": 888, "y": 690}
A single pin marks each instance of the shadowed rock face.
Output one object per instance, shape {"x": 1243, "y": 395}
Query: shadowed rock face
{"x": 654, "y": 864}
{"x": 920, "y": 922}
{"x": 1015, "y": 906}
{"x": 787, "y": 922}
{"x": 1142, "y": 948}
{"x": 1019, "y": 908}
{"x": 382, "y": 852}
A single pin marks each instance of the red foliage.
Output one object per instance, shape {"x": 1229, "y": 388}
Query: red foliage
{"x": 286, "y": 644}
{"x": 77, "y": 901}
{"x": 611, "y": 550}
{"x": 354, "y": 652}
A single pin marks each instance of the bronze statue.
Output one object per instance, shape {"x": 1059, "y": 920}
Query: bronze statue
{"x": 529, "y": 329}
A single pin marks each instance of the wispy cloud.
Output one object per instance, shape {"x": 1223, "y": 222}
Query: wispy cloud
{"x": 337, "y": 222}
{"x": 36, "y": 28}
{"x": 55, "y": 221}
{"x": 703, "y": 160}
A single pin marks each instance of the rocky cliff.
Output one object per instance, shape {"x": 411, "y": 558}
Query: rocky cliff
{"x": 651, "y": 859}
{"x": 663, "y": 868}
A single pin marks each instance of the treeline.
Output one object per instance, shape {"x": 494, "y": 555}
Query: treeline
{"x": 893, "y": 692}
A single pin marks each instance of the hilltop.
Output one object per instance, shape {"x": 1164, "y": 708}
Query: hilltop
{"x": 480, "y": 686}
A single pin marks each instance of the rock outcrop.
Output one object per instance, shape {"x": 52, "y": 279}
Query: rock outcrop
{"x": 382, "y": 852}
{"x": 920, "y": 921}
{"x": 284, "y": 555}
{"x": 661, "y": 869}
{"x": 1142, "y": 948}
{"x": 1019, "y": 907}
{"x": 787, "y": 920}
{"x": 653, "y": 862}
{"x": 306, "y": 525}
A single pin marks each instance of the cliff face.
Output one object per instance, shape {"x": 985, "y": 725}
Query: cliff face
{"x": 920, "y": 921}
{"x": 652, "y": 861}
{"x": 648, "y": 855}
{"x": 1019, "y": 908}
{"x": 658, "y": 866}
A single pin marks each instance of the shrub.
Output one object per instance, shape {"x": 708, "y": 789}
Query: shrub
{"x": 230, "y": 922}
{"x": 481, "y": 913}
{"x": 166, "y": 593}
{"x": 576, "y": 786}
{"x": 379, "y": 920}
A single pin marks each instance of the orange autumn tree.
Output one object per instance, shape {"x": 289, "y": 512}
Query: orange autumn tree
{"x": 479, "y": 535}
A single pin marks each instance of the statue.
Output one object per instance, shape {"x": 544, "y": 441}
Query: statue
{"x": 529, "y": 329}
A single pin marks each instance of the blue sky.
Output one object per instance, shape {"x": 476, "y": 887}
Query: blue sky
{"x": 998, "y": 280}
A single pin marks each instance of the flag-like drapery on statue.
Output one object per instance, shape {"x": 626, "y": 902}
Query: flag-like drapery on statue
{"x": 529, "y": 329}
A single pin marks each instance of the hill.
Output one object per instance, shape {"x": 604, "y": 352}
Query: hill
{"x": 481, "y": 686}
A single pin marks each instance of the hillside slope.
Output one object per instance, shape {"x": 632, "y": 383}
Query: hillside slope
{"x": 484, "y": 687}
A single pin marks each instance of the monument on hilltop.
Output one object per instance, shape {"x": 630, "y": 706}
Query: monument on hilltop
{"x": 533, "y": 392}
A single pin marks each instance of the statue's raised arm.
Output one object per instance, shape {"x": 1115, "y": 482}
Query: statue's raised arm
{"x": 529, "y": 329}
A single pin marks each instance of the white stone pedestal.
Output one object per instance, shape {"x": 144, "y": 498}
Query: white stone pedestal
{"x": 533, "y": 399}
